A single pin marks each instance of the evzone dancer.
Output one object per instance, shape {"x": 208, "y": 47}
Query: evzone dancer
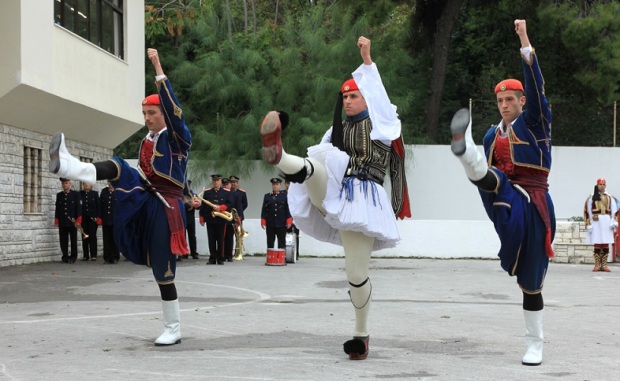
{"x": 149, "y": 220}
{"x": 337, "y": 194}
{"x": 512, "y": 182}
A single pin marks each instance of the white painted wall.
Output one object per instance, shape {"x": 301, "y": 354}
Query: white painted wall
{"x": 448, "y": 218}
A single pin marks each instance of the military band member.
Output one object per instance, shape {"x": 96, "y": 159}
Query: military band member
{"x": 243, "y": 197}
{"x": 601, "y": 222}
{"x": 337, "y": 194}
{"x": 214, "y": 217}
{"x": 91, "y": 220}
{"x": 275, "y": 216}
{"x": 68, "y": 212}
{"x": 192, "y": 203}
{"x": 240, "y": 204}
{"x": 293, "y": 229}
{"x": 229, "y": 234}
{"x": 149, "y": 221}
{"x": 513, "y": 184}
{"x": 107, "y": 202}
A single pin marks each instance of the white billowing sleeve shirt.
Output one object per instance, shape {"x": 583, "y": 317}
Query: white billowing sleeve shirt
{"x": 385, "y": 123}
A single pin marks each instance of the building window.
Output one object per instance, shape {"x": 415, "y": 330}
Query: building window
{"x": 98, "y": 21}
{"x": 32, "y": 180}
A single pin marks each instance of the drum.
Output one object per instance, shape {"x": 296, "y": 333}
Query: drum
{"x": 275, "y": 257}
{"x": 291, "y": 244}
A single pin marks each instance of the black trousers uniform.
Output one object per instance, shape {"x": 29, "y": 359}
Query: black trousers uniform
{"x": 89, "y": 245}
{"x": 66, "y": 232}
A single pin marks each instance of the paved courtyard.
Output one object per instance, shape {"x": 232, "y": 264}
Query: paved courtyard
{"x": 430, "y": 320}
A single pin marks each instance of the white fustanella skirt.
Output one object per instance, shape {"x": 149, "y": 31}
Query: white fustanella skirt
{"x": 351, "y": 204}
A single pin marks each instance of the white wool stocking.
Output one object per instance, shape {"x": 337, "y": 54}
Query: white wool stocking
{"x": 357, "y": 250}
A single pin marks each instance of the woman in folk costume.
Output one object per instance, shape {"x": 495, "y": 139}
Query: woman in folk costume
{"x": 337, "y": 194}
{"x": 149, "y": 225}
{"x": 601, "y": 221}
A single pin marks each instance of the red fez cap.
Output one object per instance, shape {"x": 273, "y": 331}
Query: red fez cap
{"x": 509, "y": 84}
{"x": 349, "y": 85}
{"x": 601, "y": 181}
{"x": 151, "y": 100}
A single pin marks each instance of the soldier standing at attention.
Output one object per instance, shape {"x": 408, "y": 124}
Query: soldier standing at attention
{"x": 107, "y": 202}
{"x": 241, "y": 204}
{"x": 191, "y": 205}
{"x": 229, "y": 232}
{"x": 212, "y": 215}
{"x": 68, "y": 213}
{"x": 275, "y": 216}
{"x": 90, "y": 220}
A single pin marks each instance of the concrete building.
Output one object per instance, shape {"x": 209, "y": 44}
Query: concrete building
{"x": 80, "y": 71}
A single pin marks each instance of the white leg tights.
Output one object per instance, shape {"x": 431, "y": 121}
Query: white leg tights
{"x": 474, "y": 162}
{"x": 357, "y": 246}
{"x": 316, "y": 183}
{"x": 357, "y": 251}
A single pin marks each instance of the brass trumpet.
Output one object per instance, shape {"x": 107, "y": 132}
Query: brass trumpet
{"x": 225, "y": 215}
{"x": 78, "y": 227}
{"x": 240, "y": 234}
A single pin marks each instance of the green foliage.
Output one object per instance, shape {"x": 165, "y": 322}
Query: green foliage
{"x": 227, "y": 85}
{"x": 592, "y": 35}
{"x": 230, "y": 65}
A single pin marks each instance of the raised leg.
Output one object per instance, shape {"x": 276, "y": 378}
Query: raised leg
{"x": 463, "y": 147}
{"x": 67, "y": 166}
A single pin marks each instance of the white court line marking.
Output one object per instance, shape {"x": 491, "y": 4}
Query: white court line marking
{"x": 3, "y": 373}
{"x": 261, "y": 297}
{"x": 201, "y": 376}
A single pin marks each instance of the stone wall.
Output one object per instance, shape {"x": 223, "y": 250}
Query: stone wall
{"x": 32, "y": 237}
{"x": 570, "y": 243}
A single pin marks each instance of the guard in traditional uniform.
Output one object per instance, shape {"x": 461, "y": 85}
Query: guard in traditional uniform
{"x": 512, "y": 179}
{"x": 191, "y": 204}
{"x": 337, "y": 194}
{"x": 67, "y": 216}
{"x": 601, "y": 222}
{"x": 275, "y": 216}
{"x": 107, "y": 206}
{"x": 215, "y": 213}
{"x": 149, "y": 225}
{"x": 91, "y": 211}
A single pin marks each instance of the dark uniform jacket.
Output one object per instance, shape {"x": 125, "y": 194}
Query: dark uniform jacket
{"x": 90, "y": 205}
{"x": 68, "y": 205}
{"x": 275, "y": 212}
{"x": 219, "y": 197}
{"x": 243, "y": 202}
{"x": 107, "y": 202}
{"x": 236, "y": 198}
